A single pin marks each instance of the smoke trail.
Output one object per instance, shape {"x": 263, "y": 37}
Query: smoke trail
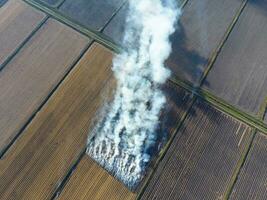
{"x": 121, "y": 142}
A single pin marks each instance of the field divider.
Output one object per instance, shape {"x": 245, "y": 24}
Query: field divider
{"x": 184, "y": 3}
{"x": 15, "y": 52}
{"x": 241, "y": 163}
{"x": 66, "y": 178}
{"x": 59, "y": 4}
{"x": 223, "y": 106}
{"x": 220, "y": 46}
{"x": 5, "y": 150}
{"x": 263, "y": 109}
{"x": 239, "y": 166}
{"x": 95, "y": 35}
{"x": 163, "y": 151}
{"x": 102, "y": 39}
{"x": 255, "y": 122}
{"x": 98, "y": 36}
{"x": 56, "y": 5}
{"x": 112, "y": 17}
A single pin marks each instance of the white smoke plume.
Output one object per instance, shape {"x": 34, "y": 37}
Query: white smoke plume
{"x": 122, "y": 140}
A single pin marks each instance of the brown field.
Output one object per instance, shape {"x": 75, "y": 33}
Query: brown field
{"x": 53, "y": 141}
{"x": 91, "y": 181}
{"x": 29, "y": 78}
{"x": 55, "y": 76}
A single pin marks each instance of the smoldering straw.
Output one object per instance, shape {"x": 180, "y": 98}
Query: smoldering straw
{"x": 122, "y": 139}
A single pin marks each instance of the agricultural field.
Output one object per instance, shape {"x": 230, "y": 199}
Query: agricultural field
{"x": 242, "y": 62}
{"x": 20, "y": 22}
{"x": 56, "y": 76}
{"x": 186, "y": 171}
{"x": 56, "y": 137}
{"x": 253, "y": 172}
{"x": 89, "y": 180}
{"x": 29, "y": 78}
{"x": 201, "y": 30}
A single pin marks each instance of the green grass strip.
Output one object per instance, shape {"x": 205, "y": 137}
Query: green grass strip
{"x": 223, "y": 106}
{"x": 262, "y": 111}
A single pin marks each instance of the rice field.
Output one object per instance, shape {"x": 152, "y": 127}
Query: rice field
{"x": 55, "y": 76}
{"x": 241, "y": 63}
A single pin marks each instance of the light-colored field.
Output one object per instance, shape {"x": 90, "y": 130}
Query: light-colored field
{"x": 28, "y": 79}
{"x": 52, "y": 87}
{"x": 43, "y": 154}
{"x": 90, "y": 181}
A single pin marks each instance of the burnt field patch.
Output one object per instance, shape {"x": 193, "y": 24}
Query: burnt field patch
{"x": 202, "y": 158}
{"x": 93, "y": 14}
{"x": 239, "y": 74}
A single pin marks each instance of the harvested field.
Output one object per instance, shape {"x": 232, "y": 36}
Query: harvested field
{"x": 94, "y": 14}
{"x": 91, "y": 181}
{"x": 18, "y": 22}
{"x": 202, "y": 158}
{"x": 115, "y": 29}
{"x": 201, "y": 30}
{"x": 239, "y": 74}
{"x": 54, "y": 140}
{"x": 52, "y": 3}
{"x": 55, "y": 77}
{"x": 251, "y": 183}
{"x": 33, "y": 73}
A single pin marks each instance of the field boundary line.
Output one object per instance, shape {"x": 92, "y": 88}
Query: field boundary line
{"x": 92, "y": 34}
{"x": 46, "y": 99}
{"x": 216, "y": 53}
{"x": 222, "y": 105}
